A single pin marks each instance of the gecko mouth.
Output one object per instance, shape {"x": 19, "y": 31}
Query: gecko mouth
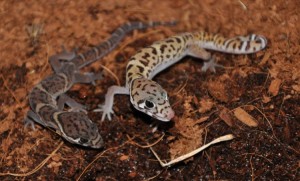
{"x": 163, "y": 117}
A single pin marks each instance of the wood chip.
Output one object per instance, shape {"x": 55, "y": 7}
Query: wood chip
{"x": 265, "y": 59}
{"x": 205, "y": 105}
{"x": 226, "y": 116}
{"x": 266, "y": 99}
{"x": 296, "y": 88}
{"x": 274, "y": 87}
{"x": 244, "y": 117}
{"x": 124, "y": 157}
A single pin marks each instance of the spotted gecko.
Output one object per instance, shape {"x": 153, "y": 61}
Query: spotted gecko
{"x": 47, "y": 98}
{"x": 148, "y": 96}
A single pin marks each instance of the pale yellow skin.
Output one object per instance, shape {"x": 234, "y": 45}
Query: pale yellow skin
{"x": 148, "y": 96}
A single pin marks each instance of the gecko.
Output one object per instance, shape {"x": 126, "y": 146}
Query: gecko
{"x": 48, "y": 99}
{"x": 147, "y": 95}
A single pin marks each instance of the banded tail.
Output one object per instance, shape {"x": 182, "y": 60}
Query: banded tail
{"x": 236, "y": 45}
{"x": 104, "y": 48}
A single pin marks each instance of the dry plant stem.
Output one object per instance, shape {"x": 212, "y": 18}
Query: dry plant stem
{"x": 102, "y": 153}
{"x": 114, "y": 75}
{"x": 252, "y": 169}
{"x": 192, "y": 153}
{"x": 37, "y": 167}
{"x": 97, "y": 157}
{"x": 243, "y": 5}
{"x": 148, "y": 145}
{"x": 264, "y": 117}
{"x": 10, "y": 91}
{"x": 154, "y": 177}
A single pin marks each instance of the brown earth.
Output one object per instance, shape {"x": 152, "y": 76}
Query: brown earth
{"x": 255, "y": 98}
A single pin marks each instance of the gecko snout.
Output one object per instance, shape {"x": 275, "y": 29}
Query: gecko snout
{"x": 170, "y": 114}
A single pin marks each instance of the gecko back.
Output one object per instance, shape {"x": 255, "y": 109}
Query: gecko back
{"x": 151, "y": 60}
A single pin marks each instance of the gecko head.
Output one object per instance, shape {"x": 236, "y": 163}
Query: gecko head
{"x": 149, "y": 97}
{"x": 76, "y": 127}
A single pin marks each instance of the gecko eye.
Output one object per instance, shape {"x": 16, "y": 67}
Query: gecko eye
{"x": 149, "y": 104}
{"x": 82, "y": 140}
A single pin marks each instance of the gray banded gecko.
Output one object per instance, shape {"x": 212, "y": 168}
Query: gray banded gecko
{"x": 148, "y": 96}
{"x": 47, "y": 98}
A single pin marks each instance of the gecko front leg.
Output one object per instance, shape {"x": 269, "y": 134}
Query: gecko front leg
{"x": 106, "y": 108}
{"x": 32, "y": 116}
{"x": 75, "y": 106}
{"x": 78, "y": 78}
{"x": 88, "y": 77}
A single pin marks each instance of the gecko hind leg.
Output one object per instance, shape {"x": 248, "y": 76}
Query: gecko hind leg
{"x": 209, "y": 61}
{"x": 32, "y": 117}
{"x": 211, "y": 65}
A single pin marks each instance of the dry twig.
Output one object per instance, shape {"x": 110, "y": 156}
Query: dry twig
{"x": 188, "y": 155}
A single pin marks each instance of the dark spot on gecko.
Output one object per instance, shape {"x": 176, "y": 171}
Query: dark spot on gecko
{"x": 129, "y": 66}
{"x": 178, "y": 40}
{"x": 129, "y": 80}
{"x": 138, "y": 86}
{"x": 241, "y": 45}
{"x": 234, "y": 45}
{"x": 179, "y": 48}
{"x": 247, "y": 46}
{"x": 173, "y": 48}
{"x": 129, "y": 74}
{"x": 146, "y": 55}
{"x": 144, "y": 86}
{"x": 154, "y": 51}
{"x": 170, "y": 40}
{"x": 162, "y": 48}
{"x": 228, "y": 43}
{"x": 141, "y": 69}
{"x": 258, "y": 41}
{"x": 136, "y": 93}
{"x": 144, "y": 61}
{"x": 168, "y": 56}
{"x": 139, "y": 51}
{"x": 140, "y": 102}
{"x": 161, "y": 57}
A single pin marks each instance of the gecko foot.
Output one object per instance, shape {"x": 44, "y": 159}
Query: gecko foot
{"x": 93, "y": 77}
{"x": 78, "y": 109}
{"x": 106, "y": 111}
{"x": 29, "y": 122}
{"x": 211, "y": 65}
